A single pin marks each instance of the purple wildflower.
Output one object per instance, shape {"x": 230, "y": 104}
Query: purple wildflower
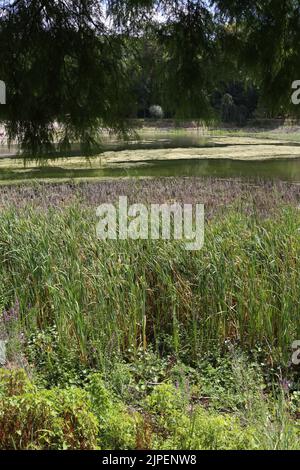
{"x": 12, "y": 314}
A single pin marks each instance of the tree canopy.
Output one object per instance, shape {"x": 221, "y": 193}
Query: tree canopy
{"x": 74, "y": 66}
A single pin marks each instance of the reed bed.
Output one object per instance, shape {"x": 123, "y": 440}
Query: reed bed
{"x": 101, "y": 300}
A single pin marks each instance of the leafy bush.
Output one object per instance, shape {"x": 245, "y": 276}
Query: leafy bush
{"x": 206, "y": 430}
{"x": 295, "y": 403}
{"x": 117, "y": 427}
{"x": 168, "y": 418}
{"x": 147, "y": 369}
{"x": 181, "y": 428}
{"x": 14, "y": 382}
{"x": 44, "y": 419}
{"x": 56, "y": 366}
{"x": 165, "y": 400}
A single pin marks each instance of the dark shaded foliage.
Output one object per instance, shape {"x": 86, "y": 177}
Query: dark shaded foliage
{"x": 74, "y": 66}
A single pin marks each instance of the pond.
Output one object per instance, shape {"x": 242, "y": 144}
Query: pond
{"x": 172, "y": 154}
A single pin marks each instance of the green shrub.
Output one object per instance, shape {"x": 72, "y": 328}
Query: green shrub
{"x": 165, "y": 401}
{"x": 178, "y": 427}
{"x": 117, "y": 427}
{"x": 45, "y": 419}
{"x": 56, "y": 366}
{"x": 295, "y": 403}
{"x": 80, "y": 426}
{"x": 206, "y": 430}
{"x": 14, "y": 382}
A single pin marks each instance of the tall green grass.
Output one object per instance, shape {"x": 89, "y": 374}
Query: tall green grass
{"x": 101, "y": 299}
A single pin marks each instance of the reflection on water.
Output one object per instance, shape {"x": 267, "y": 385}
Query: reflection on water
{"x": 160, "y": 141}
{"x": 272, "y": 169}
{"x": 148, "y": 140}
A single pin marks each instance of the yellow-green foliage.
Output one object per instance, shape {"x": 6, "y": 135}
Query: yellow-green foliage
{"x": 118, "y": 427}
{"x": 188, "y": 428}
{"x": 14, "y": 382}
{"x": 165, "y": 400}
{"x": 206, "y": 430}
{"x": 44, "y": 419}
{"x": 93, "y": 417}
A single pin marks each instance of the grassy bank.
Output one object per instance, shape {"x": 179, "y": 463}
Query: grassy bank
{"x": 188, "y": 345}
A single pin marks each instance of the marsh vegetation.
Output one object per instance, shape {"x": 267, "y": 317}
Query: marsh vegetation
{"x": 141, "y": 344}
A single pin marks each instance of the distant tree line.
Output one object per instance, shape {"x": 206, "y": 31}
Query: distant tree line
{"x": 74, "y": 66}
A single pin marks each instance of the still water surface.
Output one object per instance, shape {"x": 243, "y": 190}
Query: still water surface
{"x": 282, "y": 168}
